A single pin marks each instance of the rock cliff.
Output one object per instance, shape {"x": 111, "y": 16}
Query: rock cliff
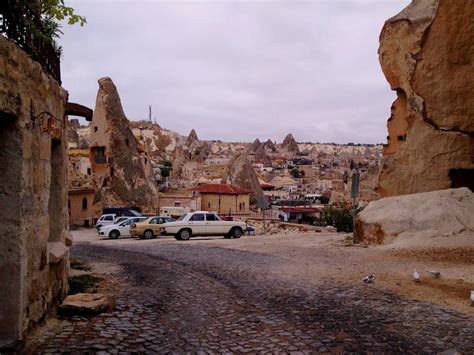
{"x": 426, "y": 53}
{"x": 240, "y": 173}
{"x": 122, "y": 171}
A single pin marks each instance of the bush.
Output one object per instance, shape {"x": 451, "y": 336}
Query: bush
{"x": 82, "y": 283}
{"x": 341, "y": 218}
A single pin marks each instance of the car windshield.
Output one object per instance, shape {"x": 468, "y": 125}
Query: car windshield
{"x": 182, "y": 217}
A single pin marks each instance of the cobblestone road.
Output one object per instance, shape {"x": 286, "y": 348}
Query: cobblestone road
{"x": 204, "y": 300}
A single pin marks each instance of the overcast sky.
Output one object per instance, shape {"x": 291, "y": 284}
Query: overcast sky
{"x": 238, "y": 70}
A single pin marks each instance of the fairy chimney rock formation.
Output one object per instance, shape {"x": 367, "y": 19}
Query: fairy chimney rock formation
{"x": 426, "y": 54}
{"x": 123, "y": 173}
{"x": 289, "y": 144}
{"x": 240, "y": 173}
{"x": 192, "y": 138}
{"x": 255, "y": 145}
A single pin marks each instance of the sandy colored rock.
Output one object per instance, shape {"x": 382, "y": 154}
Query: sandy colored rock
{"x": 85, "y": 304}
{"x": 122, "y": 170}
{"x": 426, "y": 55}
{"x": 240, "y": 173}
{"x": 289, "y": 144}
{"x": 443, "y": 217}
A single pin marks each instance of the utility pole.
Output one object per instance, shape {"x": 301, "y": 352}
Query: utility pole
{"x": 149, "y": 113}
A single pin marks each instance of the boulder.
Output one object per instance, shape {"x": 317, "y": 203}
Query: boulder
{"x": 85, "y": 304}
{"x": 426, "y": 55}
{"x": 443, "y": 218}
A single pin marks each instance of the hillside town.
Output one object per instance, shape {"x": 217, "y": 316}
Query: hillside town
{"x": 120, "y": 235}
{"x": 170, "y": 168}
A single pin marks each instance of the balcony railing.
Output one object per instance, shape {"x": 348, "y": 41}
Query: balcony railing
{"x": 20, "y": 24}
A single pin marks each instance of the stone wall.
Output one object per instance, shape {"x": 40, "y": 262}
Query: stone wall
{"x": 222, "y": 204}
{"x": 426, "y": 53}
{"x": 33, "y": 194}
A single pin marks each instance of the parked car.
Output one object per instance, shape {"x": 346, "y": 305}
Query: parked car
{"x": 203, "y": 223}
{"x": 150, "y": 227}
{"x": 113, "y": 231}
{"x": 122, "y": 211}
{"x": 116, "y": 220}
{"x": 105, "y": 220}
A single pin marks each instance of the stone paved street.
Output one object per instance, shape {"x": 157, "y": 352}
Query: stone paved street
{"x": 197, "y": 298}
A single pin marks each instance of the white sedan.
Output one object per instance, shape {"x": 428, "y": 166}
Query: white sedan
{"x": 113, "y": 231}
{"x": 202, "y": 223}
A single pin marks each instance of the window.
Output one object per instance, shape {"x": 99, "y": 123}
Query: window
{"x": 402, "y": 138}
{"x": 89, "y": 171}
{"x": 96, "y": 128}
{"x": 209, "y": 204}
{"x": 84, "y": 203}
{"x": 155, "y": 221}
{"x": 197, "y": 217}
{"x": 177, "y": 203}
{"x": 100, "y": 155}
{"x": 127, "y": 142}
{"x": 211, "y": 217}
{"x": 108, "y": 218}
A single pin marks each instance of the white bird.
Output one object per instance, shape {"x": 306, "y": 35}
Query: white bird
{"x": 416, "y": 276}
{"x": 369, "y": 279}
{"x": 435, "y": 273}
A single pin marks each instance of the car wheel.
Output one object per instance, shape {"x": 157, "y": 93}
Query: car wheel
{"x": 236, "y": 232}
{"x": 184, "y": 234}
{"x": 177, "y": 237}
{"x": 114, "y": 234}
{"x": 148, "y": 234}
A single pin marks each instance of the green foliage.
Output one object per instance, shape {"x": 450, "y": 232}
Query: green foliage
{"x": 167, "y": 163}
{"x": 339, "y": 217}
{"x": 82, "y": 283}
{"x": 78, "y": 264}
{"x": 296, "y": 173}
{"x": 56, "y": 10}
{"x": 165, "y": 171}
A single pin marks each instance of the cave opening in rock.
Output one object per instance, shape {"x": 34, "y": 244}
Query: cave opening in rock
{"x": 462, "y": 178}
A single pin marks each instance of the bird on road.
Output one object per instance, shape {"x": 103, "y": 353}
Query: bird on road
{"x": 369, "y": 279}
{"x": 435, "y": 273}
{"x": 416, "y": 276}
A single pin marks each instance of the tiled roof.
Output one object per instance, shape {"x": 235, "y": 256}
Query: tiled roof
{"x": 221, "y": 189}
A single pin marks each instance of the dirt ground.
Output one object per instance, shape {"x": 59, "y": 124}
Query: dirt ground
{"x": 316, "y": 257}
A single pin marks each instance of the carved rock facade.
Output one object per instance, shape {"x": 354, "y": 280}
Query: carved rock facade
{"x": 426, "y": 54}
{"x": 34, "y": 258}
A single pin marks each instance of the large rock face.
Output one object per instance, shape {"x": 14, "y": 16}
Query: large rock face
{"x": 426, "y": 53}
{"x": 289, "y": 144}
{"x": 240, "y": 173}
{"x": 33, "y": 194}
{"x": 436, "y": 218}
{"x": 123, "y": 173}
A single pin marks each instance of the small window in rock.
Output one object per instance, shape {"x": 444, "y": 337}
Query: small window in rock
{"x": 89, "y": 171}
{"x": 402, "y": 138}
{"x": 84, "y": 203}
{"x": 100, "y": 155}
{"x": 127, "y": 142}
{"x": 96, "y": 128}
{"x": 209, "y": 204}
{"x": 111, "y": 171}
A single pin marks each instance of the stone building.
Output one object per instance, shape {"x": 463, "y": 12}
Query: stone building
{"x": 80, "y": 207}
{"x": 426, "y": 54}
{"x": 224, "y": 199}
{"x": 34, "y": 256}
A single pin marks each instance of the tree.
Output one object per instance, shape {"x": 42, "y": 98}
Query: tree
{"x": 296, "y": 173}
{"x": 51, "y": 13}
{"x": 165, "y": 171}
